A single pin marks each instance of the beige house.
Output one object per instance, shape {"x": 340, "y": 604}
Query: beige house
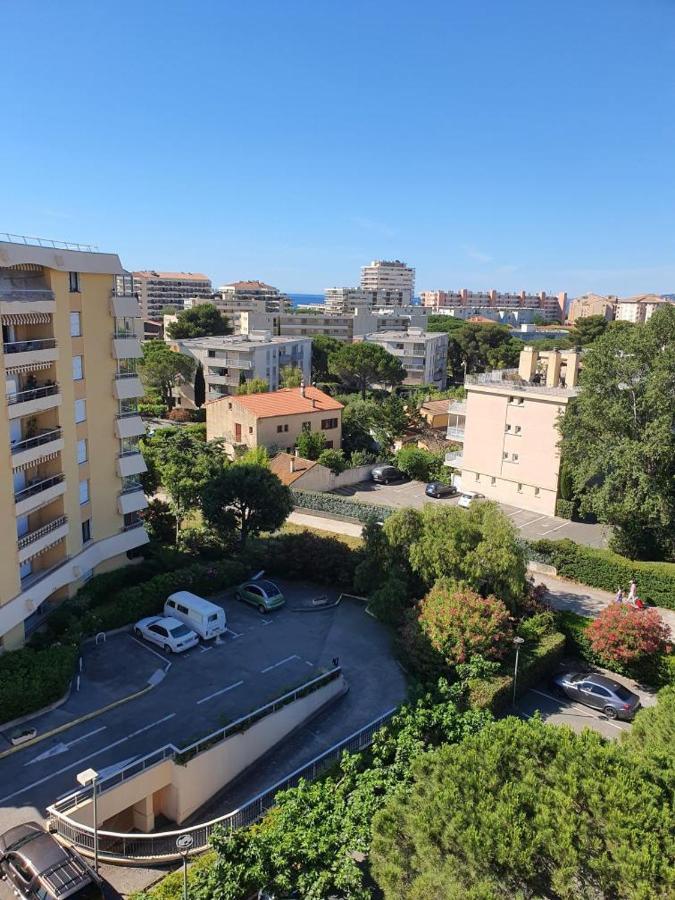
{"x": 591, "y": 305}
{"x": 275, "y": 419}
{"x": 508, "y": 427}
{"x": 639, "y": 309}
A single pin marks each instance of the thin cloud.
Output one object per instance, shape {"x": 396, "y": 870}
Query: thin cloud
{"x": 476, "y": 254}
{"x": 376, "y": 227}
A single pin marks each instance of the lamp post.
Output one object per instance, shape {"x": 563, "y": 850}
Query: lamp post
{"x": 184, "y": 844}
{"x": 90, "y": 776}
{"x": 517, "y": 641}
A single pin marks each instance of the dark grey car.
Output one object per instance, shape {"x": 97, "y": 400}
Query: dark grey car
{"x": 384, "y": 474}
{"x": 599, "y": 692}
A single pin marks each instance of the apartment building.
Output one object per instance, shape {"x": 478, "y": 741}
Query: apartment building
{"x": 230, "y": 360}
{"x": 274, "y": 420}
{"x": 550, "y": 307}
{"x": 240, "y": 294}
{"x": 423, "y": 354}
{"x": 638, "y": 309}
{"x": 159, "y": 289}
{"x": 591, "y": 305}
{"x": 508, "y": 428}
{"x": 346, "y": 300}
{"x": 69, "y": 426}
{"x": 351, "y": 326}
{"x": 388, "y": 282}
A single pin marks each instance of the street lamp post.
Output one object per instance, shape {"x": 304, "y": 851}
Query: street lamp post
{"x": 184, "y": 844}
{"x": 517, "y": 641}
{"x": 90, "y": 776}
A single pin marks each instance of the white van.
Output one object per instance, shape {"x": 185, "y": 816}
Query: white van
{"x": 207, "y": 619}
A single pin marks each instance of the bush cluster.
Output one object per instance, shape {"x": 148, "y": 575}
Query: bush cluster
{"x": 31, "y": 679}
{"x": 305, "y": 555}
{"x": 340, "y": 506}
{"x": 564, "y": 508}
{"x": 607, "y": 570}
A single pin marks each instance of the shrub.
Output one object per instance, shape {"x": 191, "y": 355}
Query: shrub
{"x": 624, "y": 635}
{"x": 333, "y": 460}
{"x": 605, "y": 569}
{"x": 361, "y": 458}
{"x": 196, "y": 429}
{"x": 156, "y": 410}
{"x": 340, "y": 506}
{"x": 303, "y": 556}
{"x": 564, "y": 508}
{"x": 31, "y": 679}
{"x": 160, "y": 521}
{"x": 179, "y": 415}
{"x": 536, "y": 626}
{"x": 422, "y": 465}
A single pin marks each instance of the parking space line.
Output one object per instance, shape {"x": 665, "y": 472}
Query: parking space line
{"x": 280, "y": 663}
{"x": 167, "y": 664}
{"x": 235, "y": 634}
{"x": 266, "y": 621}
{"x": 588, "y": 712}
{"x": 308, "y": 663}
{"x": 532, "y": 521}
{"x": 224, "y": 690}
{"x": 557, "y": 528}
{"x": 205, "y": 649}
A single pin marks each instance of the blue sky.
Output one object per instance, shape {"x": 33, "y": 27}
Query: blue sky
{"x": 515, "y": 144}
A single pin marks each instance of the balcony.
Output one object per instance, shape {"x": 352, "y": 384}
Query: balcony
{"x": 455, "y": 433}
{"x": 30, "y": 353}
{"x": 32, "y": 449}
{"x": 454, "y": 459}
{"x": 126, "y": 346}
{"x": 33, "y": 400}
{"x": 42, "y": 538}
{"x": 457, "y": 407}
{"x": 125, "y": 306}
{"x": 127, "y": 386}
{"x": 131, "y": 463}
{"x": 39, "y": 493}
{"x": 131, "y": 500}
{"x": 23, "y": 302}
{"x": 130, "y": 425}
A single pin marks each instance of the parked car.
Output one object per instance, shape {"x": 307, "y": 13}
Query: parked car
{"x": 264, "y": 595}
{"x": 202, "y": 616}
{"x": 386, "y": 474}
{"x": 437, "y": 490}
{"x": 599, "y": 692}
{"x": 468, "y": 497}
{"x": 39, "y": 868}
{"x": 168, "y": 633}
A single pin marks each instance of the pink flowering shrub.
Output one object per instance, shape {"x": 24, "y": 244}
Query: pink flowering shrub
{"x": 623, "y": 634}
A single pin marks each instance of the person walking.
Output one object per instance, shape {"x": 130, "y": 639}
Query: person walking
{"x": 619, "y": 595}
{"x": 632, "y": 591}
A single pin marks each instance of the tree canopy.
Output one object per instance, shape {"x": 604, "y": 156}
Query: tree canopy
{"x": 290, "y": 377}
{"x": 523, "y": 809}
{"x": 364, "y": 364}
{"x": 253, "y": 386}
{"x": 199, "y": 321}
{"x": 199, "y": 386}
{"x": 618, "y": 435}
{"x": 310, "y": 444}
{"x": 162, "y": 369}
{"x": 247, "y": 498}
{"x": 588, "y": 328}
{"x": 323, "y": 346}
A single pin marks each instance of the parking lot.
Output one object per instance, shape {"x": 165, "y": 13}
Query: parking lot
{"x": 532, "y": 525}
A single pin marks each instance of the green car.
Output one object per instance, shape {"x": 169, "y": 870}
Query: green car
{"x": 264, "y": 595}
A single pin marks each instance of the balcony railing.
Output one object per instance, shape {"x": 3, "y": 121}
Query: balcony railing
{"x": 33, "y": 536}
{"x": 454, "y": 458}
{"x": 131, "y": 488}
{"x": 455, "y": 432}
{"x": 510, "y": 379}
{"x": 46, "y": 242}
{"x": 127, "y": 413}
{"x": 137, "y": 523}
{"x": 125, "y": 334}
{"x": 28, "y": 346}
{"x": 25, "y": 294}
{"x": 126, "y": 375}
{"x": 46, "y": 437}
{"x": 37, "y": 487}
{"x": 43, "y": 390}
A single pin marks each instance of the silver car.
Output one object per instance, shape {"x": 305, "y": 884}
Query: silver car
{"x": 599, "y": 692}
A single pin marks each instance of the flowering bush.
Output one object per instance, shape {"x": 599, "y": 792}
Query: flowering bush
{"x": 623, "y": 634}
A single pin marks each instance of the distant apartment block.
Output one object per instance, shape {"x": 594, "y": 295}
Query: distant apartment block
{"x": 638, "y": 309}
{"x": 69, "y": 427}
{"x": 346, "y": 300}
{"x": 247, "y": 291}
{"x": 591, "y": 305}
{"x": 159, "y": 289}
{"x": 274, "y": 420}
{"x": 508, "y": 426}
{"x": 388, "y": 283}
{"x": 550, "y": 307}
{"x": 423, "y": 354}
{"x": 349, "y": 327}
{"x": 231, "y": 360}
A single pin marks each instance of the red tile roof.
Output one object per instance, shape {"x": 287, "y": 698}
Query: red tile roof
{"x": 281, "y": 466}
{"x": 285, "y": 402}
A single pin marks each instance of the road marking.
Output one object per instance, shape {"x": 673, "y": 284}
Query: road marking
{"x": 218, "y": 693}
{"x": 205, "y": 649}
{"x": 280, "y": 663}
{"x": 532, "y": 521}
{"x": 235, "y": 634}
{"x": 266, "y": 621}
{"x": 584, "y": 709}
{"x": 63, "y": 748}
{"x": 308, "y": 663}
{"x": 79, "y": 762}
{"x": 557, "y": 528}
{"x": 167, "y": 665}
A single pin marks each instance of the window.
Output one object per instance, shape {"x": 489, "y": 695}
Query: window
{"x": 536, "y": 492}
{"x": 84, "y": 491}
{"x": 306, "y": 426}
{"x": 86, "y": 531}
{"x": 520, "y": 488}
{"x": 514, "y": 457}
{"x": 493, "y": 480}
{"x": 327, "y": 424}
{"x": 329, "y": 445}
{"x": 80, "y": 411}
{"x": 212, "y": 353}
{"x": 250, "y": 429}
{"x": 81, "y": 451}
{"x": 517, "y": 429}
{"x": 75, "y": 324}
{"x": 285, "y": 427}
{"x": 74, "y": 282}
{"x": 229, "y": 406}
{"x": 505, "y": 455}
{"x": 77, "y": 368}
{"x": 507, "y": 428}
{"x": 477, "y": 476}
{"x": 280, "y": 428}
{"x": 237, "y": 431}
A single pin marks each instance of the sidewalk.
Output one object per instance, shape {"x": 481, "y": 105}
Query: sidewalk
{"x": 353, "y": 529}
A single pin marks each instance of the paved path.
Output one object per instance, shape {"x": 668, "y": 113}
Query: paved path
{"x": 337, "y": 526}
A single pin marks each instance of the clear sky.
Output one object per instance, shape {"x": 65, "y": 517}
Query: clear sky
{"x": 514, "y": 144}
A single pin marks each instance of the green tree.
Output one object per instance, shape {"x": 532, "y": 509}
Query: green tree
{"x": 162, "y": 369}
{"x": 358, "y": 424}
{"x": 523, "y": 809}
{"x": 199, "y": 386}
{"x": 365, "y": 364}
{"x": 333, "y": 460}
{"x": 199, "y": 321}
{"x": 392, "y": 418}
{"x": 323, "y": 347}
{"x": 652, "y": 736}
{"x": 252, "y": 386}
{"x": 588, "y": 329}
{"x": 310, "y": 444}
{"x": 290, "y": 377}
{"x": 256, "y": 455}
{"x": 422, "y": 465}
{"x": 247, "y": 498}
{"x": 618, "y": 436}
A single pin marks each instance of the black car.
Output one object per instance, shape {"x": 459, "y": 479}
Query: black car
{"x": 39, "y": 868}
{"x": 437, "y": 490}
{"x": 599, "y": 692}
{"x": 386, "y": 474}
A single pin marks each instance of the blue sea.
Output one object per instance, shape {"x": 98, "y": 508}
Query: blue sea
{"x": 306, "y": 299}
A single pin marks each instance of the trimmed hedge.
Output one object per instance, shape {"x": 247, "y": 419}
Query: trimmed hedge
{"x": 305, "y": 556}
{"x": 535, "y": 663}
{"x": 564, "y": 508}
{"x": 340, "y": 506}
{"x": 607, "y": 570}
{"x": 31, "y": 679}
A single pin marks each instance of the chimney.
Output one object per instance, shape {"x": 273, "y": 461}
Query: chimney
{"x": 292, "y": 463}
{"x": 302, "y": 388}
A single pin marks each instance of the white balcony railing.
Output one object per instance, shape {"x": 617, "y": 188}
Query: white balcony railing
{"x": 455, "y": 459}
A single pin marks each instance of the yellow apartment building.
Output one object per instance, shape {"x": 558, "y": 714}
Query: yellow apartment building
{"x": 70, "y": 498}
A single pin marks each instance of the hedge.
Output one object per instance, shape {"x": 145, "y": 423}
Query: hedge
{"x": 535, "y": 663}
{"x": 31, "y": 679}
{"x": 607, "y": 570}
{"x": 564, "y": 508}
{"x": 340, "y": 506}
{"x": 325, "y": 560}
